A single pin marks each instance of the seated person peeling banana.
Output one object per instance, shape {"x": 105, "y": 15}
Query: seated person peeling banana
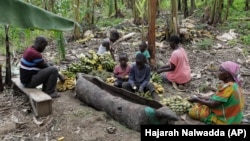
{"x": 121, "y": 70}
{"x": 139, "y": 78}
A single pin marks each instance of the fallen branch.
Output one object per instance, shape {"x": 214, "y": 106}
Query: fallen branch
{"x": 3, "y": 109}
{"x": 125, "y": 37}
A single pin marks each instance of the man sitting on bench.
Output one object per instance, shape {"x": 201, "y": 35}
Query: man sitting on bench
{"x": 34, "y": 71}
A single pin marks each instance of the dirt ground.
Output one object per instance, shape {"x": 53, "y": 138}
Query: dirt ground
{"x": 76, "y": 121}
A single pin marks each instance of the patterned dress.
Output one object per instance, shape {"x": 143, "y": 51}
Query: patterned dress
{"x": 229, "y": 112}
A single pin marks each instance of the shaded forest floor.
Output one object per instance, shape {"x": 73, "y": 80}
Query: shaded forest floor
{"x": 75, "y": 121}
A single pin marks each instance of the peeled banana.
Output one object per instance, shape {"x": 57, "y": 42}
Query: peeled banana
{"x": 110, "y": 80}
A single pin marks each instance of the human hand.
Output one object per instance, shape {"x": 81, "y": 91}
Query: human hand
{"x": 62, "y": 78}
{"x": 159, "y": 71}
{"x": 193, "y": 99}
{"x": 141, "y": 90}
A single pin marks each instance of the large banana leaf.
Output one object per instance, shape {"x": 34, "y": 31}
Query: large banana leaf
{"x": 24, "y": 15}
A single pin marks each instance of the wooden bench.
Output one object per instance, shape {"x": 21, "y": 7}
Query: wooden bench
{"x": 41, "y": 102}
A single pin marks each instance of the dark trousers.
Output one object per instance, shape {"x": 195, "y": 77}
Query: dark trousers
{"x": 47, "y": 77}
{"x": 118, "y": 83}
{"x": 149, "y": 87}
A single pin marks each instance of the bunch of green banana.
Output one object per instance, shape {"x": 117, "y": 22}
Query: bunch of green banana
{"x": 67, "y": 74}
{"x": 75, "y": 67}
{"x": 92, "y": 61}
{"x": 177, "y": 104}
{"x": 108, "y": 65}
{"x": 107, "y": 61}
{"x": 146, "y": 95}
{"x": 155, "y": 77}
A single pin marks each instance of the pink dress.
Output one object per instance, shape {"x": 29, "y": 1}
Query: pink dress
{"x": 182, "y": 72}
{"x": 118, "y": 70}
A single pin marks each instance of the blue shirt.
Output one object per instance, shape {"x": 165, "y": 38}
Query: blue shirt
{"x": 139, "y": 77}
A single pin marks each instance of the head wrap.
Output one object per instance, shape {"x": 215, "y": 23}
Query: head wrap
{"x": 233, "y": 69}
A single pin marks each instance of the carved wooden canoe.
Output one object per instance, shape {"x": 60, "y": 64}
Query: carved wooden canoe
{"x": 123, "y": 106}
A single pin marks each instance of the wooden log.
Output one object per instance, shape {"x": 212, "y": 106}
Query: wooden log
{"x": 122, "y": 108}
{"x": 1, "y": 79}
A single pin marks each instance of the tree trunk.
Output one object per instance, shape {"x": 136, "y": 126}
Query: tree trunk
{"x": 1, "y": 78}
{"x": 227, "y": 10}
{"x": 93, "y": 13}
{"x": 211, "y": 20}
{"x": 218, "y": 13}
{"x": 151, "y": 31}
{"x": 76, "y": 10}
{"x": 247, "y": 5}
{"x": 185, "y": 8}
{"x": 206, "y": 16}
{"x": 123, "y": 106}
{"x": 205, "y": 3}
{"x": 129, "y": 4}
{"x": 45, "y": 5}
{"x": 174, "y": 19}
{"x": 52, "y": 3}
{"x": 179, "y": 5}
{"x": 230, "y": 2}
{"x": 88, "y": 15}
{"x": 110, "y": 3}
{"x": 157, "y": 8}
{"x": 8, "y": 65}
{"x": 193, "y": 6}
{"x": 116, "y": 9}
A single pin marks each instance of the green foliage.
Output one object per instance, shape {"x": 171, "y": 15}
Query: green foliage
{"x": 108, "y": 23}
{"x": 205, "y": 44}
{"x": 232, "y": 42}
{"x": 62, "y": 7}
{"x": 140, "y": 5}
{"x": 60, "y": 44}
{"x": 164, "y": 4}
{"x": 32, "y": 17}
{"x": 155, "y": 77}
{"x": 245, "y": 39}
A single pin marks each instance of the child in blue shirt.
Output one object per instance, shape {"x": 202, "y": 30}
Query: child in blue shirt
{"x": 139, "y": 77}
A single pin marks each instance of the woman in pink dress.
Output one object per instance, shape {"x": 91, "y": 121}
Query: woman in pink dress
{"x": 178, "y": 69}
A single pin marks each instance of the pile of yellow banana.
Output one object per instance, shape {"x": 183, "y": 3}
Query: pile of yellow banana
{"x": 158, "y": 88}
{"x": 110, "y": 80}
{"x": 69, "y": 84}
{"x": 177, "y": 104}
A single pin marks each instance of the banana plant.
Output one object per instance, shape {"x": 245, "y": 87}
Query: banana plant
{"x": 140, "y": 5}
{"x": 60, "y": 44}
